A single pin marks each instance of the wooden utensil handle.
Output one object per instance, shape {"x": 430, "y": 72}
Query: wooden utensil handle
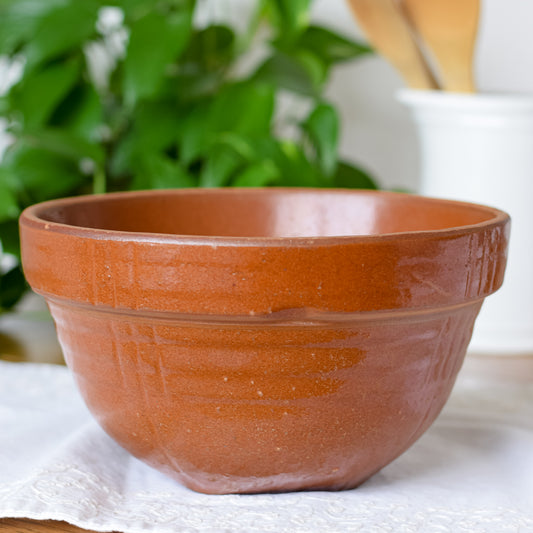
{"x": 386, "y": 28}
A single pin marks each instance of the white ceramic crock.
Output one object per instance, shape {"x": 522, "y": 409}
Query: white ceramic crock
{"x": 479, "y": 148}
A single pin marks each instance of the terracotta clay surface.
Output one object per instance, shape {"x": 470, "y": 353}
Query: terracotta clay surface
{"x": 264, "y": 340}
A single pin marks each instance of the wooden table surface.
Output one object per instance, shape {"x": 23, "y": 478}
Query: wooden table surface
{"x": 42, "y": 346}
{"x": 24, "y": 525}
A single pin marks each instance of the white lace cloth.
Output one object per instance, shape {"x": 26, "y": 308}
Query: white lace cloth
{"x": 471, "y": 472}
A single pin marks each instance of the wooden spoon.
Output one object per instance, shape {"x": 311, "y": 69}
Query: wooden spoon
{"x": 449, "y": 28}
{"x": 385, "y": 26}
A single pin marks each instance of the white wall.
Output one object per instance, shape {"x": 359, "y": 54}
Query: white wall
{"x": 377, "y": 131}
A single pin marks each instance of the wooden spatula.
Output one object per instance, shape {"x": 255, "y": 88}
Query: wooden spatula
{"x": 449, "y": 29}
{"x": 386, "y": 28}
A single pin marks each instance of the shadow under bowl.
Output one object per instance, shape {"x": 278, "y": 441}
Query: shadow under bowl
{"x": 264, "y": 339}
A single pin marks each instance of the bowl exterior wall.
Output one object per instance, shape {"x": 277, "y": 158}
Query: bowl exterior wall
{"x": 253, "y": 406}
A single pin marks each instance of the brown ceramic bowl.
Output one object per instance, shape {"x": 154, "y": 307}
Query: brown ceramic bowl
{"x": 264, "y": 340}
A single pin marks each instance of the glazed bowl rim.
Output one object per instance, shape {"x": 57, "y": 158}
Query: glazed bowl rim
{"x": 33, "y": 217}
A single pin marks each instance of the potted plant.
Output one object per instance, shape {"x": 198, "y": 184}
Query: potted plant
{"x": 141, "y": 94}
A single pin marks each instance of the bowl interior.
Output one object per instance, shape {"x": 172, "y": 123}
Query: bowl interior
{"x": 264, "y": 213}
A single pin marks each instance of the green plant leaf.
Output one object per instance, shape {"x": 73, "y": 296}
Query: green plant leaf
{"x": 64, "y": 28}
{"x": 42, "y": 174}
{"x": 66, "y": 144}
{"x": 19, "y": 20}
{"x": 81, "y": 112}
{"x": 154, "y": 129}
{"x": 156, "y": 40}
{"x": 260, "y": 174}
{"x": 239, "y": 111}
{"x": 12, "y": 287}
{"x": 9, "y": 207}
{"x": 242, "y": 145}
{"x": 316, "y": 69}
{"x": 136, "y": 9}
{"x": 155, "y": 126}
{"x": 243, "y": 108}
{"x": 38, "y": 94}
{"x": 131, "y": 5}
{"x": 352, "y": 177}
{"x": 330, "y": 47}
{"x": 159, "y": 172}
{"x": 322, "y": 128}
{"x": 120, "y": 161}
{"x": 295, "y": 168}
{"x": 290, "y": 73}
{"x": 209, "y": 49}
{"x": 292, "y": 17}
{"x": 222, "y": 163}
{"x": 193, "y": 136}
{"x": 190, "y": 87}
{"x": 9, "y": 236}
{"x": 203, "y": 65}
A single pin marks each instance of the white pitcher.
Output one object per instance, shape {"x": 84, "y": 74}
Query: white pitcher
{"x": 479, "y": 148}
